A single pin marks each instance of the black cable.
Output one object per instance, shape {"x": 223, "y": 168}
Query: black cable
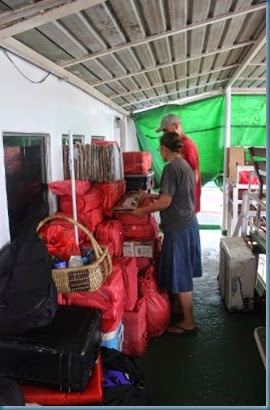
{"x": 17, "y": 68}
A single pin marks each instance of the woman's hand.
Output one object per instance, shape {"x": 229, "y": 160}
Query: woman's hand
{"x": 143, "y": 195}
{"x": 138, "y": 212}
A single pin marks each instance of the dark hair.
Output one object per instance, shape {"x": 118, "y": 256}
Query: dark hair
{"x": 172, "y": 141}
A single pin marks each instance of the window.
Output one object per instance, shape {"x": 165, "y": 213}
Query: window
{"x": 98, "y": 138}
{"x": 76, "y": 138}
{"x": 26, "y": 175}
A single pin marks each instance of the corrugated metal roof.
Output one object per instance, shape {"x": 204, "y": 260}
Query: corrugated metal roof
{"x": 140, "y": 53}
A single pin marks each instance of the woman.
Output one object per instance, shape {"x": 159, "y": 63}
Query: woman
{"x": 180, "y": 255}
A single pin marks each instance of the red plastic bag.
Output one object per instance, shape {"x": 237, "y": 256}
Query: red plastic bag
{"x": 157, "y": 305}
{"x": 98, "y": 142}
{"x": 69, "y": 225}
{"x": 60, "y": 241}
{"x": 135, "y": 335}
{"x": 109, "y": 298}
{"x": 141, "y": 232}
{"x": 128, "y": 219}
{"x": 64, "y": 187}
{"x": 142, "y": 264}
{"x": 111, "y": 231}
{"x": 112, "y": 193}
{"x": 91, "y": 219}
{"x": 92, "y": 199}
{"x": 130, "y": 275}
{"x": 244, "y": 177}
{"x": 137, "y": 162}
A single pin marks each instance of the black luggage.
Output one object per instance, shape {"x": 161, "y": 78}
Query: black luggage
{"x": 123, "y": 382}
{"x": 60, "y": 355}
{"x": 28, "y": 297}
{"x": 10, "y": 393}
{"x": 136, "y": 182}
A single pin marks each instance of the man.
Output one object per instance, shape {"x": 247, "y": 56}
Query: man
{"x": 172, "y": 123}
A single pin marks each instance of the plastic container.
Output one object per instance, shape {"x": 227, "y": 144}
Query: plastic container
{"x": 136, "y": 182}
{"x": 114, "y": 340}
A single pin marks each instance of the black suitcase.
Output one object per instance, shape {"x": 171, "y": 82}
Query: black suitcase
{"x": 60, "y": 355}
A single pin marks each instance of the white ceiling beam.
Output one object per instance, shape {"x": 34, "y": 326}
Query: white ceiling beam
{"x": 257, "y": 46}
{"x": 216, "y": 70}
{"x": 180, "y": 61}
{"x": 175, "y": 92}
{"x": 69, "y": 7}
{"x": 249, "y": 90}
{"x": 27, "y": 11}
{"x": 251, "y": 79}
{"x": 183, "y": 101}
{"x": 258, "y": 64}
{"x": 42, "y": 62}
{"x": 203, "y": 23}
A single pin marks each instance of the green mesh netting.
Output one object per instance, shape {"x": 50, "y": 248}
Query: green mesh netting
{"x": 203, "y": 122}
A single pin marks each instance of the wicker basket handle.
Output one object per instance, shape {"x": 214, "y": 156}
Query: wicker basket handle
{"x": 95, "y": 245}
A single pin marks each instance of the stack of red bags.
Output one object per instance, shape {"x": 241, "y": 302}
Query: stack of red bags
{"x": 112, "y": 193}
{"x": 137, "y": 162}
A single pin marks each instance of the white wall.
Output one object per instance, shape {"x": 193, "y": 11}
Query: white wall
{"x": 53, "y": 107}
{"x": 131, "y": 139}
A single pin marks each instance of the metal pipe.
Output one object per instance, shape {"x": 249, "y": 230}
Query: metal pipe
{"x": 227, "y": 142}
{"x": 73, "y": 186}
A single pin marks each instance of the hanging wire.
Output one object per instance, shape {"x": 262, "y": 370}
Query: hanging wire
{"x": 17, "y": 68}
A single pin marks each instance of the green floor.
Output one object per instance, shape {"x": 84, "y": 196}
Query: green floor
{"x": 218, "y": 366}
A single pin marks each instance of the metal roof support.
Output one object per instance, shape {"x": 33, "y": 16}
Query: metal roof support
{"x": 257, "y": 46}
{"x": 37, "y": 59}
{"x": 216, "y": 70}
{"x": 182, "y": 61}
{"x": 249, "y": 91}
{"x": 27, "y": 11}
{"x": 185, "y": 100}
{"x": 203, "y": 23}
{"x": 69, "y": 7}
{"x": 175, "y": 92}
{"x": 227, "y": 143}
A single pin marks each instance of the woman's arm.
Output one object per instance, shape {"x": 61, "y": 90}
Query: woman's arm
{"x": 146, "y": 195}
{"x": 162, "y": 203}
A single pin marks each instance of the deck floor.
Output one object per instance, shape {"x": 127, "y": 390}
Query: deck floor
{"x": 218, "y": 366}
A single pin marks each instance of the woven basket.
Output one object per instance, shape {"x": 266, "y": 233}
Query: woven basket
{"x": 86, "y": 278}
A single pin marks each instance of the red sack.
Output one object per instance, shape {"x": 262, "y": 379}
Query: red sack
{"x": 64, "y": 187}
{"x": 141, "y": 232}
{"x": 109, "y": 298}
{"x": 130, "y": 275}
{"x": 142, "y": 264}
{"x": 111, "y": 231}
{"x": 112, "y": 193}
{"x": 99, "y": 142}
{"x": 128, "y": 219}
{"x": 60, "y": 241}
{"x": 69, "y": 225}
{"x": 137, "y": 162}
{"x": 90, "y": 200}
{"x": 135, "y": 335}
{"x": 244, "y": 177}
{"x": 157, "y": 305}
{"x": 65, "y": 203}
{"x": 91, "y": 219}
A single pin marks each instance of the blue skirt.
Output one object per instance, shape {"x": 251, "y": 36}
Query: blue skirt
{"x": 180, "y": 259}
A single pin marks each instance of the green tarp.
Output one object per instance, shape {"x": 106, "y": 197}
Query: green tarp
{"x": 204, "y": 123}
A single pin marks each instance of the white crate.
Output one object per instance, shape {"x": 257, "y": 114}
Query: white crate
{"x": 237, "y": 274}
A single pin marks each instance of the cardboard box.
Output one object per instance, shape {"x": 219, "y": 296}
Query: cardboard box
{"x": 235, "y": 156}
{"x": 139, "y": 249}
